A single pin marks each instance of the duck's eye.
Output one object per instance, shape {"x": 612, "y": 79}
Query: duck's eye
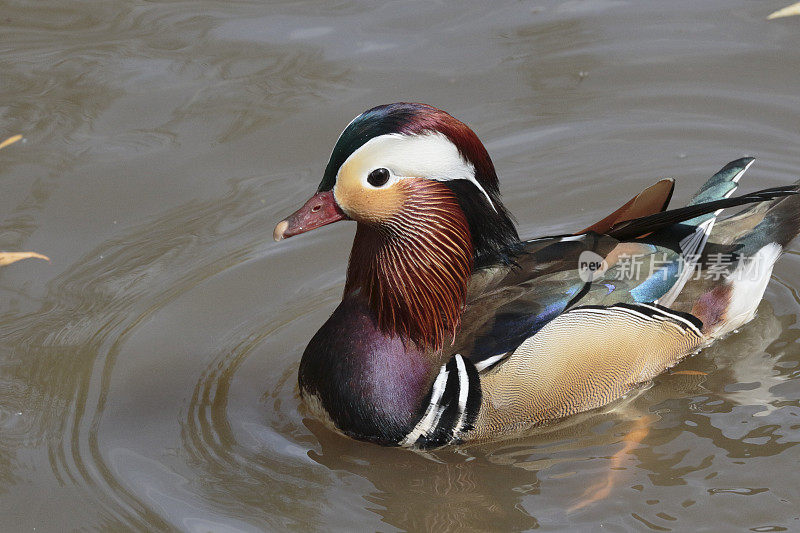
{"x": 378, "y": 177}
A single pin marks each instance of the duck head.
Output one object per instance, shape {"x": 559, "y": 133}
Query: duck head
{"x": 424, "y": 192}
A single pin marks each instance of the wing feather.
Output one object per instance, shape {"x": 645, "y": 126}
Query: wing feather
{"x": 583, "y": 359}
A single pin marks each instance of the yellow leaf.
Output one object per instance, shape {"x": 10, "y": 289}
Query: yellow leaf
{"x": 787, "y": 11}
{"x": 688, "y": 373}
{"x": 10, "y": 140}
{"x": 6, "y": 258}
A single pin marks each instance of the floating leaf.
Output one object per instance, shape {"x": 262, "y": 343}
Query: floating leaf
{"x": 10, "y": 140}
{"x": 788, "y": 11}
{"x": 6, "y": 258}
{"x": 688, "y": 373}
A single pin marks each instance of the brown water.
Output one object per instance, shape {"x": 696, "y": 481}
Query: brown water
{"x": 147, "y": 374}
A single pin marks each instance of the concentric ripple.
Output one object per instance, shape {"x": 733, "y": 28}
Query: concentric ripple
{"x": 148, "y": 372}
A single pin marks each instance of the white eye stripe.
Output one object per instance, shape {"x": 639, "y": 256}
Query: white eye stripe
{"x": 431, "y": 155}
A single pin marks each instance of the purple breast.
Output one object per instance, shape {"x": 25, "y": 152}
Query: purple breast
{"x": 371, "y": 384}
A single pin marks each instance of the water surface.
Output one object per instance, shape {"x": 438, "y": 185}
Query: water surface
{"x": 147, "y": 373}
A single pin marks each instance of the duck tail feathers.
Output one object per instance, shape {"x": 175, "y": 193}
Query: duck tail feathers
{"x": 755, "y": 238}
{"x": 778, "y": 221}
{"x": 743, "y": 289}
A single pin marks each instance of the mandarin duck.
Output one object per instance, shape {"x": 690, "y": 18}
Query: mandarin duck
{"x": 452, "y": 329}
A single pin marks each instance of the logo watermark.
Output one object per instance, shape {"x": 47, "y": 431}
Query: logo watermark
{"x": 713, "y": 266}
{"x": 591, "y": 266}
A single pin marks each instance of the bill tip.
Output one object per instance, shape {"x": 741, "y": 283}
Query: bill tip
{"x": 280, "y": 229}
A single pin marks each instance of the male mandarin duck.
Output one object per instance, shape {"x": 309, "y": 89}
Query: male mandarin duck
{"x": 452, "y": 329}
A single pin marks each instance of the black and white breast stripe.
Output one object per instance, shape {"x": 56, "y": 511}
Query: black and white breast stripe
{"x": 451, "y": 407}
{"x": 653, "y": 311}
